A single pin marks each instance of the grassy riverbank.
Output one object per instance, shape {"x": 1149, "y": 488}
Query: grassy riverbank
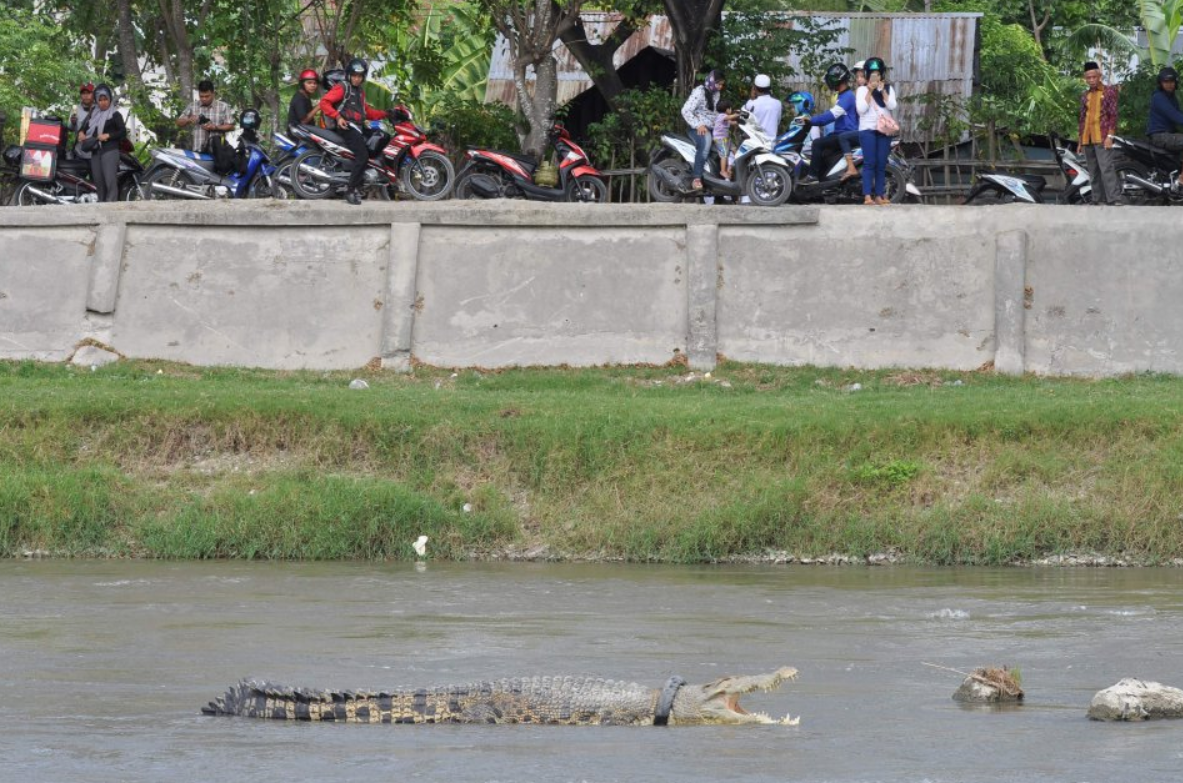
{"x": 160, "y": 460}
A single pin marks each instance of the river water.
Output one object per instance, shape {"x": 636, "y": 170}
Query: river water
{"x": 105, "y": 665}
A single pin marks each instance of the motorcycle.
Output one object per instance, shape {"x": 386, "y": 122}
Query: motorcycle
{"x": 764, "y": 177}
{"x": 1146, "y": 172}
{"x": 495, "y": 174}
{"x": 1006, "y": 189}
{"x": 71, "y": 183}
{"x": 1078, "y": 186}
{"x": 834, "y": 187}
{"x": 287, "y": 149}
{"x": 180, "y": 173}
{"x": 407, "y": 159}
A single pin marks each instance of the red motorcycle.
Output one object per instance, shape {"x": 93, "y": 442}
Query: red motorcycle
{"x": 405, "y": 158}
{"x": 495, "y": 174}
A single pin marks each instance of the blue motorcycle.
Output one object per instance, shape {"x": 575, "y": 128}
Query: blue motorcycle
{"x": 179, "y": 173}
{"x": 287, "y": 148}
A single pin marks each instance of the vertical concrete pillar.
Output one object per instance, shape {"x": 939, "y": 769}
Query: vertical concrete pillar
{"x": 105, "y": 266}
{"x": 1010, "y": 281}
{"x": 398, "y": 312}
{"x": 702, "y": 279}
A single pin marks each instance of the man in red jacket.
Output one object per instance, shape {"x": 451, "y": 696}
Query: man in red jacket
{"x": 345, "y": 107}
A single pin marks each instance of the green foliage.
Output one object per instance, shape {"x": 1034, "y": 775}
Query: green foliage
{"x": 468, "y": 122}
{"x": 642, "y": 117}
{"x": 1133, "y": 108}
{"x": 891, "y": 474}
{"x": 444, "y": 59}
{"x": 39, "y": 67}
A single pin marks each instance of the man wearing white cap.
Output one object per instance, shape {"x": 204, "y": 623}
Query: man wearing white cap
{"x": 764, "y": 107}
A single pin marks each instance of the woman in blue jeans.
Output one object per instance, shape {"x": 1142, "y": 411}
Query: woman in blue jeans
{"x": 700, "y": 112}
{"x": 874, "y": 100}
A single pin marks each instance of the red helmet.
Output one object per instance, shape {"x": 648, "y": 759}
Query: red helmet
{"x": 309, "y": 74}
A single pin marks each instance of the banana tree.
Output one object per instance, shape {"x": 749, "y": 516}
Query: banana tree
{"x": 1160, "y": 18}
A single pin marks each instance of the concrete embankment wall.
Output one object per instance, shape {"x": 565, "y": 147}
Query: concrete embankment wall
{"x": 1057, "y": 290}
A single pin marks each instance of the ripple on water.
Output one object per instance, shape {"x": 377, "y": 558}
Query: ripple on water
{"x": 949, "y": 614}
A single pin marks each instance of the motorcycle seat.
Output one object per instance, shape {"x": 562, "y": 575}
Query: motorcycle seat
{"x": 324, "y": 133}
{"x": 74, "y": 164}
{"x": 527, "y": 160}
{"x": 1033, "y": 181}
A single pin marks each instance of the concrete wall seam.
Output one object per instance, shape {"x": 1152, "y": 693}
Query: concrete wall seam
{"x": 398, "y": 309}
{"x": 1010, "y": 282}
{"x": 106, "y": 266}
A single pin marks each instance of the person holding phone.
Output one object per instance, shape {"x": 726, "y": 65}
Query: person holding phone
{"x": 874, "y": 100}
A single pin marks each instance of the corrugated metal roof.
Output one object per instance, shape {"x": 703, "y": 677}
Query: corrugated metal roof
{"x": 925, "y": 52}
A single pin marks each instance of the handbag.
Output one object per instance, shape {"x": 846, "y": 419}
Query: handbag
{"x": 887, "y": 125}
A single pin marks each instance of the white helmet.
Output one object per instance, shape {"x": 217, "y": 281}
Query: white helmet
{"x": 859, "y": 65}
{"x": 763, "y": 82}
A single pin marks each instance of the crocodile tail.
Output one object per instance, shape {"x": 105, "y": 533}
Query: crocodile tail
{"x": 238, "y": 700}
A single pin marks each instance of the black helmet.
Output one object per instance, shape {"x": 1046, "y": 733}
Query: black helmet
{"x": 1167, "y": 74}
{"x": 250, "y": 120}
{"x": 12, "y": 155}
{"x": 873, "y": 64}
{"x": 836, "y": 74}
{"x": 358, "y": 65}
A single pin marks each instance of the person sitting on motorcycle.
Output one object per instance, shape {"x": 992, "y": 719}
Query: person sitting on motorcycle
{"x": 303, "y": 107}
{"x": 1165, "y": 116}
{"x": 345, "y": 105}
{"x": 700, "y": 112}
{"x": 844, "y": 117}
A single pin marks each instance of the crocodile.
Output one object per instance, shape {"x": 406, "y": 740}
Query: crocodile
{"x": 573, "y": 701}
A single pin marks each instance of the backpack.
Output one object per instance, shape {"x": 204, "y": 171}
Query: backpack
{"x": 225, "y": 159}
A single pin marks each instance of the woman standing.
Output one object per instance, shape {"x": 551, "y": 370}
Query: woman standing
{"x": 103, "y": 132}
{"x": 875, "y": 101}
{"x": 700, "y": 112}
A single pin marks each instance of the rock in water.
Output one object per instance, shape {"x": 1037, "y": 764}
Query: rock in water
{"x": 1132, "y": 699}
{"x": 989, "y": 686}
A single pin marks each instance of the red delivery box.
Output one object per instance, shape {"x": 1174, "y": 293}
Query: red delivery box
{"x": 44, "y": 132}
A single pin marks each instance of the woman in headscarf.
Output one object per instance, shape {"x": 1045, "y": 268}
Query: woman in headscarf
{"x": 700, "y": 112}
{"x": 101, "y": 136}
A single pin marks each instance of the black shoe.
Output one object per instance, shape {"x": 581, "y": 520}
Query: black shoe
{"x": 353, "y": 197}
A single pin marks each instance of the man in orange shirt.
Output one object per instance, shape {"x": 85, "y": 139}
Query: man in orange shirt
{"x": 1098, "y": 123}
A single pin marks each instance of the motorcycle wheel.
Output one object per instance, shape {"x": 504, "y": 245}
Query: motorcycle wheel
{"x": 431, "y": 178}
{"x": 658, "y": 190}
{"x": 165, "y": 175}
{"x": 307, "y": 186}
{"x": 131, "y": 189}
{"x": 987, "y": 197}
{"x": 1132, "y": 193}
{"x": 587, "y": 189}
{"x": 24, "y": 198}
{"x": 768, "y": 184}
{"x": 261, "y": 188}
{"x": 281, "y": 190}
{"x": 895, "y": 186}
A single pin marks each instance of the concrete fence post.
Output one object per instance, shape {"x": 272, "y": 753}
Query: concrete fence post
{"x": 702, "y": 284}
{"x": 1010, "y": 281}
{"x": 398, "y": 312}
{"x": 106, "y": 265}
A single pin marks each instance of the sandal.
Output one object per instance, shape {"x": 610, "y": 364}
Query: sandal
{"x": 850, "y": 174}
{"x": 882, "y": 201}
{"x": 696, "y": 184}
{"x": 868, "y": 201}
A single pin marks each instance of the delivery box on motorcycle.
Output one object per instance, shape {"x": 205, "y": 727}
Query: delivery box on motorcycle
{"x": 45, "y": 133}
{"x": 44, "y": 144}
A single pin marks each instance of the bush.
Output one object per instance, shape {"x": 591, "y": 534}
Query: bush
{"x": 469, "y": 123}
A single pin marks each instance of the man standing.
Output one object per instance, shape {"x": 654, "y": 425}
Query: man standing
{"x": 212, "y": 118}
{"x": 1165, "y": 116}
{"x": 764, "y": 107}
{"x": 1098, "y": 123}
{"x": 80, "y": 115}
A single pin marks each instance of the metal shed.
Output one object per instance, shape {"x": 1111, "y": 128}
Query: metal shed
{"x": 934, "y": 52}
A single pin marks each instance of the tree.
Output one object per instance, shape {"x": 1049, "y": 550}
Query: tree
{"x": 1160, "y": 18}
{"x": 693, "y": 22}
{"x": 532, "y": 27}
{"x": 597, "y": 59}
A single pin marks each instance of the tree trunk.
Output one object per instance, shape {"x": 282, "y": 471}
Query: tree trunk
{"x": 173, "y": 14}
{"x": 692, "y": 22}
{"x": 128, "y": 54}
{"x": 597, "y": 59}
{"x": 546, "y": 90}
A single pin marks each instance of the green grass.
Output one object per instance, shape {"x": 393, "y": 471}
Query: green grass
{"x": 162, "y": 460}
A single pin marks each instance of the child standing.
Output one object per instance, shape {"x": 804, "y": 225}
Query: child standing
{"x": 722, "y": 135}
